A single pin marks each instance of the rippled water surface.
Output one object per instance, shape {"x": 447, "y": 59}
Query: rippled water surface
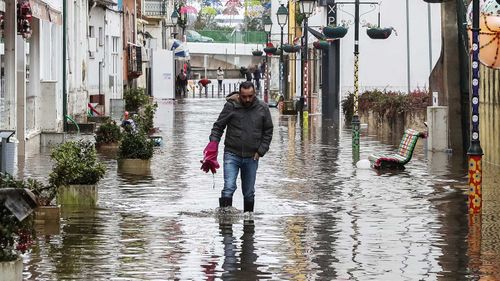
{"x": 317, "y": 217}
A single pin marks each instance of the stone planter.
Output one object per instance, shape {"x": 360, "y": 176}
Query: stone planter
{"x": 47, "y": 220}
{"x": 135, "y": 166}
{"x": 77, "y": 195}
{"x": 108, "y": 146}
{"x": 11, "y": 270}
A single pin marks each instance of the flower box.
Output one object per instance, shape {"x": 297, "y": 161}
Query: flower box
{"x": 47, "y": 220}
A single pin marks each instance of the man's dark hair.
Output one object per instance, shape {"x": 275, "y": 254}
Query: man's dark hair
{"x": 247, "y": 85}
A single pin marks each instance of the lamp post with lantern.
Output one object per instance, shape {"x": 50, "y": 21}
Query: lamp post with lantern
{"x": 306, "y": 9}
{"x": 282, "y": 16}
{"x": 268, "y": 24}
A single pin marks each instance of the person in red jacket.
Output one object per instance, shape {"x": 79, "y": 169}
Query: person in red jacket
{"x": 203, "y": 84}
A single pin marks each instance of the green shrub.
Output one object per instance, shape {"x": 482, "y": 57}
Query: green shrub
{"x": 145, "y": 120}
{"x": 136, "y": 146}
{"x": 108, "y": 133}
{"x": 76, "y": 163}
{"x": 134, "y": 99}
{"x": 15, "y": 236}
{"x": 386, "y": 103}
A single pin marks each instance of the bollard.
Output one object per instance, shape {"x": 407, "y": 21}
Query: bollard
{"x": 230, "y": 88}
{"x": 206, "y": 91}
{"x": 212, "y": 91}
{"x": 224, "y": 89}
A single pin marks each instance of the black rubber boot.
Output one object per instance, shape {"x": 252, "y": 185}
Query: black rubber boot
{"x": 248, "y": 206}
{"x": 225, "y": 202}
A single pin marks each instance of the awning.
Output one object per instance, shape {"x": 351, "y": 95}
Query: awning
{"x": 43, "y": 11}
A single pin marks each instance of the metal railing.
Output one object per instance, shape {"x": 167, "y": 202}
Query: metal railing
{"x": 155, "y": 8}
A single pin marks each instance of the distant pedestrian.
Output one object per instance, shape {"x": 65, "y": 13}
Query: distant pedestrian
{"x": 257, "y": 76}
{"x": 182, "y": 82}
{"x": 203, "y": 84}
{"x": 244, "y": 144}
{"x": 248, "y": 75}
{"x": 220, "y": 77}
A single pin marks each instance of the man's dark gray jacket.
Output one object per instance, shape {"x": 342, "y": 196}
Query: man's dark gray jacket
{"x": 249, "y": 129}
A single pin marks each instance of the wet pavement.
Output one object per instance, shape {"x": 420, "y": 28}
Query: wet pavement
{"x": 317, "y": 217}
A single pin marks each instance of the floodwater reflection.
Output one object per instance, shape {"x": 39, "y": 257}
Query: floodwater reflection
{"x": 317, "y": 217}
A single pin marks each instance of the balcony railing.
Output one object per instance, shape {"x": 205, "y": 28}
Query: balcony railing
{"x": 155, "y": 8}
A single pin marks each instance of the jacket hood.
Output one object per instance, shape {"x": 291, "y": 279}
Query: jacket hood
{"x": 234, "y": 97}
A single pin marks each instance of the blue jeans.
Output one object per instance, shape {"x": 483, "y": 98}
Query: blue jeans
{"x": 232, "y": 165}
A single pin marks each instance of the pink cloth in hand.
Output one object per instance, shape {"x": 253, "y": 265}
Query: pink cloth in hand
{"x": 209, "y": 162}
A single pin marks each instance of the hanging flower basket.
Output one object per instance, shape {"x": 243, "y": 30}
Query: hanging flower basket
{"x": 435, "y": 1}
{"x": 270, "y": 50}
{"x": 334, "y": 32}
{"x": 379, "y": 33}
{"x": 290, "y": 48}
{"x": 321, "y": 45}
{"x": 257, "y": 53}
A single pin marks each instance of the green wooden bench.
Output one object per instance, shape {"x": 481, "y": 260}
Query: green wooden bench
{"x": 403, "y": 156}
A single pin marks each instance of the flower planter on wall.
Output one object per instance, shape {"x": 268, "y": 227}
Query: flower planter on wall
{"x": 379, "y": 33}
{"x": 11, "y": 270}
{"x": 135, "y": 166}
{"x": 47, "y": 220}
{"x": 290, "y": 48}
{"x": 334, "y": 32}
{"x": 80, "y": 195}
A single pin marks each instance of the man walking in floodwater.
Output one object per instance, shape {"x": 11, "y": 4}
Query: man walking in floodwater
{"x": 249, "y": 133}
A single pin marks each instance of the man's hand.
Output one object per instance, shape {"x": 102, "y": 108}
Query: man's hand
{"x": 256, "y": 156}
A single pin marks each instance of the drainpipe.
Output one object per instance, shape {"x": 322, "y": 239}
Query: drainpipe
{"x": 65, "y": 92}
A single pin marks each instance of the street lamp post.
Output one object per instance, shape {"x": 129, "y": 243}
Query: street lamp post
{"x": 282, "y": 15}
{"x": 306, "y": 8}
{"x": 268, "y": 24}
{"x": 475, "y": 152}
{"x": 355, "y": 117}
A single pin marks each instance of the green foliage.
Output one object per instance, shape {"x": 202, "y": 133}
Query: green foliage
{"x": 135, "y": 98}
{"x": 44, "y": 193}
{"x": 136, "y": 146}
{"x": 145, "y": 120}
{"x": 108, "y": 133}
{"x": 15, "y": 236}
{"x": 76, "y": 163}
{"x": 299, "y": 17}
{"x": 387, "y": 104}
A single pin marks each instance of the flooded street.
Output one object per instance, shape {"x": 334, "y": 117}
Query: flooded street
{"x": 316, "y": 216}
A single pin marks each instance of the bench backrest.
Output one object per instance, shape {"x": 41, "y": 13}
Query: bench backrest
{"x": 408, "y": 143}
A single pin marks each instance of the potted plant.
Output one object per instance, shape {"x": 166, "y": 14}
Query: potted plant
{"x": 377, "y": 32}
{"x": 290, "y": 48}
{"x": 270, "y": 49}
{"x": 134, "y": 99}
{"x": 16, "y": 232}
{"x": 108, "y": 135}
{"x": 47, "y": 215}
{"x": 335, "y": 31}
{"x": 76, "y": 173}
{"x": 135, "y": 152}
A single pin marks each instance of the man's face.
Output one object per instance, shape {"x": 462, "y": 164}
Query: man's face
{"x": 247, "y": 96}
